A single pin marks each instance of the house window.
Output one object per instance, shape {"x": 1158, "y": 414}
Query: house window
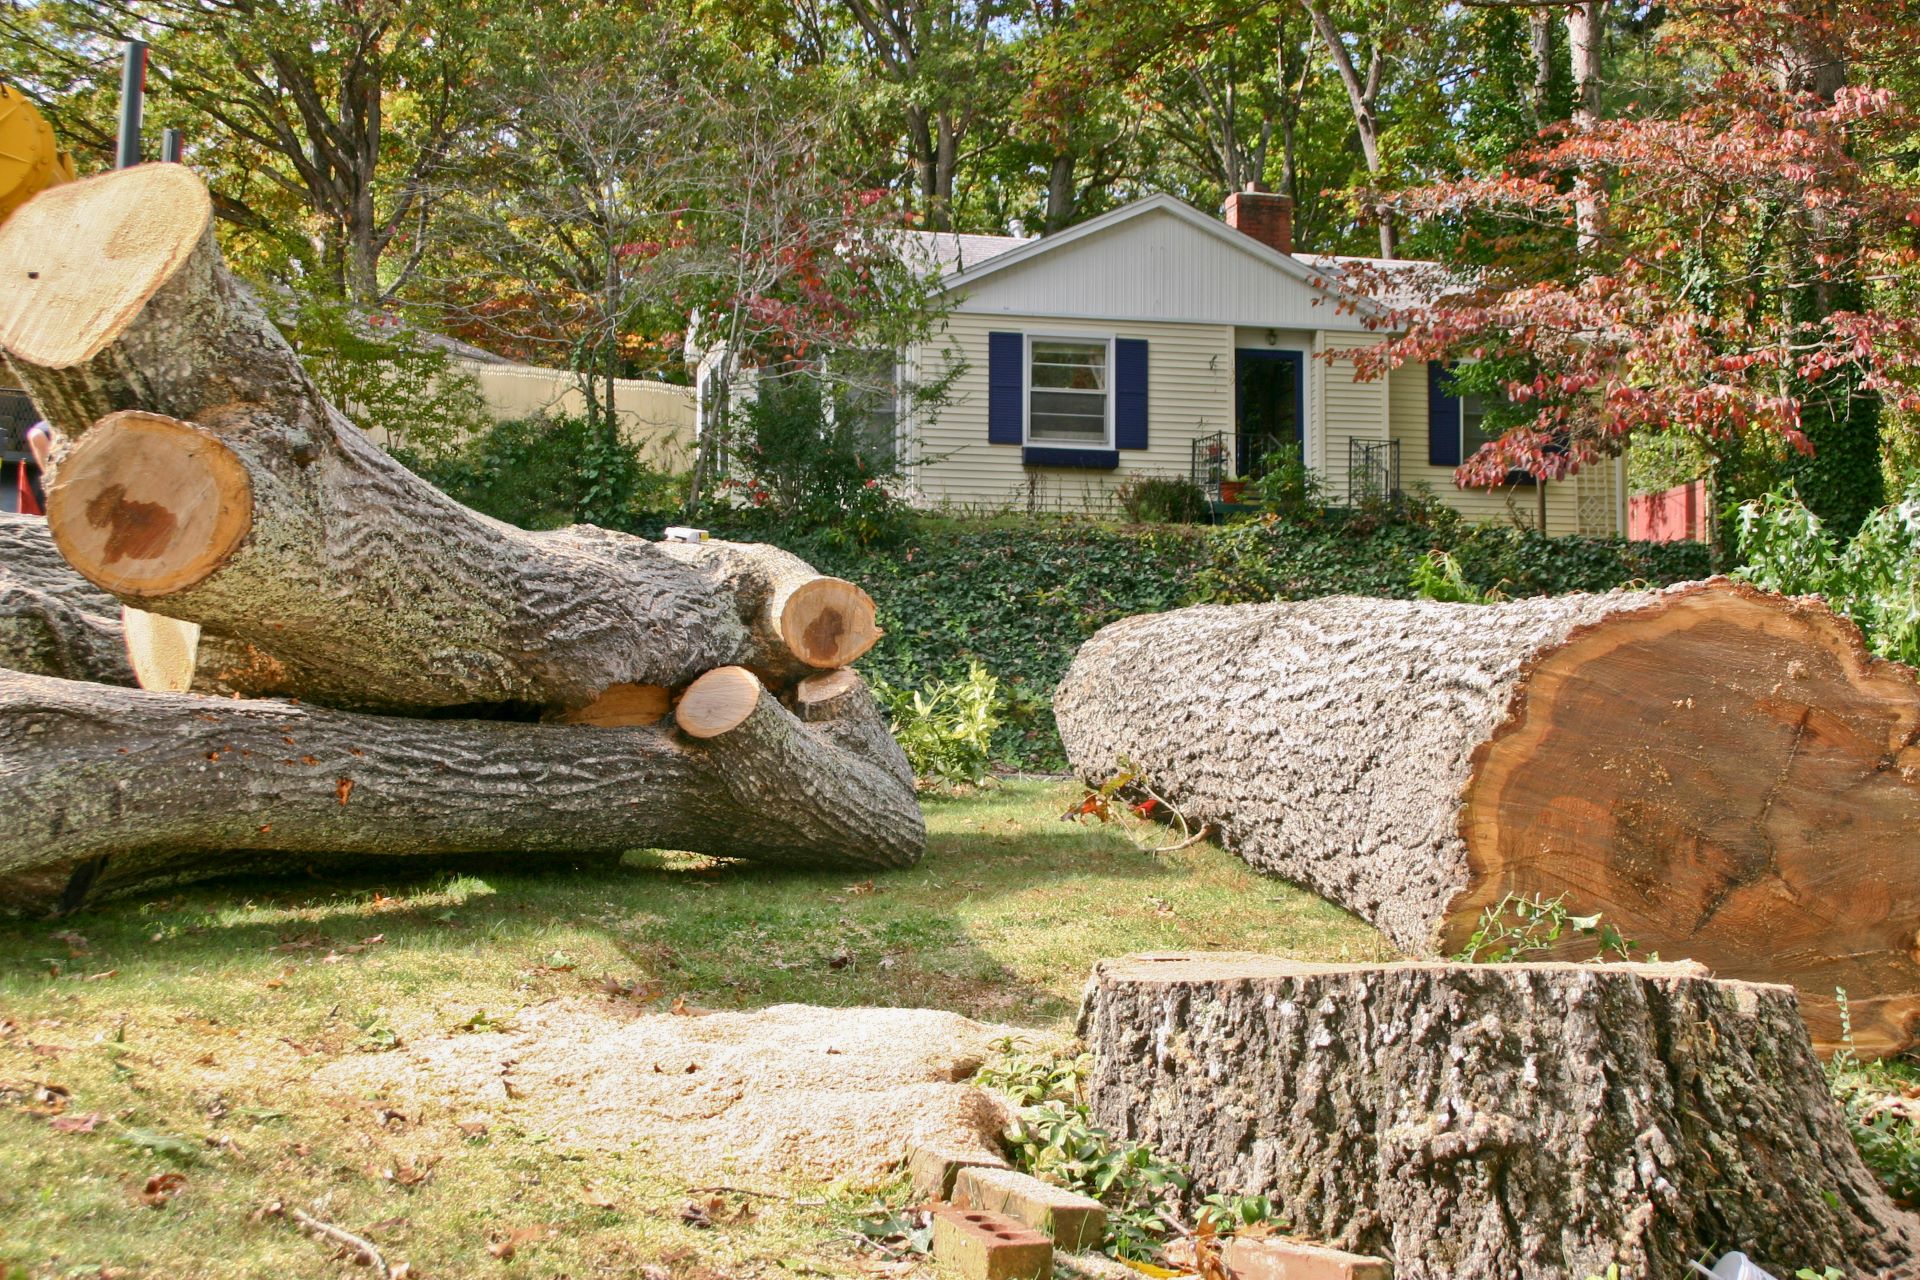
{"x": 1473, "y": 432}
{"x": 1068, "y": 393}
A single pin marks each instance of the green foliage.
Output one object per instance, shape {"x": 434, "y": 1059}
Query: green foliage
{"x": 1289, "y": 488}
{"x": 1878, "y": 1100}
{"x": 377, "y": 368}
{"x": 946, "y": 728}
{"x": 1054, "y": 1138}
{"x": 1228, "y": 1213}
{"x": 1874, "y": 579}
{"x": 548, "y": 472}
{"x": 1021, "y": 596}
{"x": 1161, "y": 500}
{"x": 813, "y": 456}
{"x": 1438, "y": 576}
{"x": 1516, "y": 927}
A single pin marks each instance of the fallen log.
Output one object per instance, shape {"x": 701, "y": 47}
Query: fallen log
{"x": 54, "y": 622}
{"x": 1725, "y": 775}
{"x": 167, "y": 787}
{"x": 1528, "y": 1121}
{"x": 203, "y": 477}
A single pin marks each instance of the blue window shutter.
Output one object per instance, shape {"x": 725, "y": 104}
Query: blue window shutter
{"x": 1130, "y": 393}
{"x": 1006, "y": 383}
{"x": 1443, "y": 417}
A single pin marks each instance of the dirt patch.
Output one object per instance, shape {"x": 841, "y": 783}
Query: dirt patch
{"x": 789, "y": 1090}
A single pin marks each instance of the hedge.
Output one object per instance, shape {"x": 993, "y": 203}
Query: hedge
{"x": 1020, "y": 597}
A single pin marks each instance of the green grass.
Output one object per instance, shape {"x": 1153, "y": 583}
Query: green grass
{"x": 201, "y": 1014}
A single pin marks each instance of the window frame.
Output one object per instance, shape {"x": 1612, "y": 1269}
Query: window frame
{"x": 1105, "y": 341}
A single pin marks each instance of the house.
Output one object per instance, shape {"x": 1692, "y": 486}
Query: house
{"x": 1158, "y": 341}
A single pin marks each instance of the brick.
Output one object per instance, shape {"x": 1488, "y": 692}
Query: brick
{"x": 1277, "y": 1258}
{"x": 934, "y": 1168}
{"x": 1074, "y": 1221}
{"x": 990, "y": 1246}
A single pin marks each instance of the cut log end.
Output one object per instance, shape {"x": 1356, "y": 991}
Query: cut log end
{"x": 1717, "y": 777}
{"x": 816, "y": 695}
{"x": 718, "y": 701}
{"x": 828, "y": 622}
{"x": 622, "y": 706}
{"x": 78, "y": 261}
{"x": 145, "y": 505}
{"x": 163, "y": 651}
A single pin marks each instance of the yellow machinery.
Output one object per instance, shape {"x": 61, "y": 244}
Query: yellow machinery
{"x": 30, "y": 159}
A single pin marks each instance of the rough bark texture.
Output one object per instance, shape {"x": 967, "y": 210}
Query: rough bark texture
{"x": 1726, "y": 776}
{"x": 1533, "y": 1120}
{"x": 365, "y": 585}
{"x": 53, "y": 622}
{"x": 172, "y": 786}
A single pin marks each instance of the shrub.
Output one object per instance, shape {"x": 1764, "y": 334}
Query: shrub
{"x": 1289, "y": 488}
{"x": 812, "y": 456}
{"x": 547, "y": 472}
{"x": 383, "y": 374}
{"x": 1874, "y": 579}
{"x": 1161, "y": 500}
{"x": 946, "y": 728}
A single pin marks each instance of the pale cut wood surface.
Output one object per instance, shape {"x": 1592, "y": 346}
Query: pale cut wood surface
{"x": 718, "y": 701}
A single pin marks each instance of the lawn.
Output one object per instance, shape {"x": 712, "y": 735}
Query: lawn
{"x": 190, "y": 1023}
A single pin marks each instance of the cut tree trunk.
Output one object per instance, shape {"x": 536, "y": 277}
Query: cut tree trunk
{"x": 209, "y": 481}
{"x": 1525, "y": 1121}
{"x": 166, "y": 787}
{"x": 53, "y": 622}
{"x": 1725, "y": 775}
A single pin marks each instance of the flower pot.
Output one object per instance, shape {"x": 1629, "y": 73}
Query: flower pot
{"x": 1232, "y": 490}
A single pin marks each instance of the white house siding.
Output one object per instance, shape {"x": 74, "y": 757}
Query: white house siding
{"x": 1509, "y": 504}
{"x": 1350, "y": 409}
{"x": 1189, "y": 394}
{"x": 1156, "y": 267}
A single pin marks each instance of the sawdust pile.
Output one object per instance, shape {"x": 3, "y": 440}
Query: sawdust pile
{"x": 793, "y": 1089}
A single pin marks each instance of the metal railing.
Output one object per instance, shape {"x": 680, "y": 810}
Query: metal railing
{"x": 1373, "y": 472}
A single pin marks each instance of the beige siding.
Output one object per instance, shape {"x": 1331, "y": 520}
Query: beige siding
{"x": 1189, "y": 394}
{"x": 1350, "y": 409}
{"x": 655, "y": 417}
{"x": 1514, "y": 504}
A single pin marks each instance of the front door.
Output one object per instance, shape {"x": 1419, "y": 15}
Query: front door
{"x": 1269, "y": 405}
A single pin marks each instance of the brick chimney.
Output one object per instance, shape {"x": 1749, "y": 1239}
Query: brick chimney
{"x": 1263, "y": 215}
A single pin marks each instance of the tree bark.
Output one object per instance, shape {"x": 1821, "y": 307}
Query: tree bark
{"x": 262, "y": 514}
{"x": 1725, "y": 775}
{"x": 1528, "y": 1121}
{"x": 53, "y": 622}
{"x": 167, "y": 787}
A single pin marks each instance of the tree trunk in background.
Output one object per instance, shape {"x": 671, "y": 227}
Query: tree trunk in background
{"x": 1532, "y": 1122}
{"x": 1540, "y": 33}
{"x": 256, "y": 510}
{"x": 1362, "y": 93}
{"x": 1585, "y": 21}
{"x": 1725, "y": 775}
{"x": 169, "y": 787}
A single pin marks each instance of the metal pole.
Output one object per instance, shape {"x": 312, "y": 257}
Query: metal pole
{"x": 133, "y": 88}
{"x": 172, "y": 146}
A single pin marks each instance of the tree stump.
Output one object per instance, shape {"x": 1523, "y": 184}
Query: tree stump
{"x": 1532, "y": 1121}
{"x": 1725, "y": 775}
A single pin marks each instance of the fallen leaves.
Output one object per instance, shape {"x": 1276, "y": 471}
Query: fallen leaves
{"x": 84, "y": 1122}
{"x": 505, "y": 1246}
{"x": 712, "y": 1212}
{"x": 596, "y": 1198}
{"x": 160, "y": 1188}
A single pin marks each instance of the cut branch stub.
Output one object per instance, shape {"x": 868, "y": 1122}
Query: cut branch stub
{"x": 718, "y": 702}
{"x": 827, "y": 622}
{"x": 79, "y": 268}
{"x": 145, "y": 505}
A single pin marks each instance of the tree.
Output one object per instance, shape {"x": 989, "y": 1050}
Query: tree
{"x": 1750, "y": 287}
{"x": 343, "y": 110}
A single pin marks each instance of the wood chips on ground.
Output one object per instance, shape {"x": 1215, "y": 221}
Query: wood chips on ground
{"x": 792, "y": 1090}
